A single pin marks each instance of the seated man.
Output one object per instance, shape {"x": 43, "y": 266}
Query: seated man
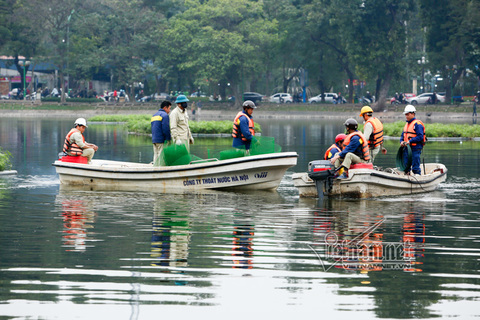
{"x": 336, "y": 147}
{"x": 75, "y": 144}
{"x": 355, "y": 149}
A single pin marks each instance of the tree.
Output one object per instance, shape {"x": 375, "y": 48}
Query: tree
{"x": 218, "y": 40}
{"x": 328, "y": 49}
{"x": 452, "y": 38}
{"x": 373, "y": 35}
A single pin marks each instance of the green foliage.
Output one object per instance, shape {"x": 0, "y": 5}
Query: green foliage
{"x": 232, "y": 46}
{"x": 435, "y": 130}
{"x": 141, "y": 124}
{"x": 5, "y": 160}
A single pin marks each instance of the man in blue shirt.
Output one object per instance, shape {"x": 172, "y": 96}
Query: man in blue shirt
{"x": 160, "y": 124}
{"x": 355, "y": 149}
{"x": 414, "y": 135}
{"x": 243, "y": 127}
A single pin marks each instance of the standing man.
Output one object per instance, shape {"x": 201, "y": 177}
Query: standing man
{"x": 414, "y": 135}
{"x": 160, "y": 124}
{"x": 179, "y": 129}
{"x": 243, "y": 127}
{"x": 355, "y": 149}
{"x": 373, "y": 132}
{"x": 75, "y": 144}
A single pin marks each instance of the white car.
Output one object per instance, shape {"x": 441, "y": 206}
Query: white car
{"x": 425, "y": 98}
{"x": 330, "y": 97}
{"x": 281, "y": 98}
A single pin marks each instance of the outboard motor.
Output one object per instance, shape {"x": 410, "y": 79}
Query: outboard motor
{"x": 322, "y": 172}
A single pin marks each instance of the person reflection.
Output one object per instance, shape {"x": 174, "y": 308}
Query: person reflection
{"x": 413, "y": 239}
{"x": 76, "y": 220}
{"x": 170, "y": 239}
{"x": 363, "y": 248}
{"x": 243, "y": 245}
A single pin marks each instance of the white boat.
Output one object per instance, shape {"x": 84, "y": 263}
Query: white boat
{"x": 369, "y": 182}
{"x": 8, "y": 172}
{"x": 259, "y": 172}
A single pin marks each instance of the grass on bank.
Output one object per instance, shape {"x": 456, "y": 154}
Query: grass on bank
{"x": 141, "y": 124}
{"x": 435, "y": 130}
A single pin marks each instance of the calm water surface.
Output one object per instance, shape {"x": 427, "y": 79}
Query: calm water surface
{"x": 76, "y": 254}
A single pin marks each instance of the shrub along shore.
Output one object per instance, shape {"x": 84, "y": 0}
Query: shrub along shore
{"x": 140, "y": 124}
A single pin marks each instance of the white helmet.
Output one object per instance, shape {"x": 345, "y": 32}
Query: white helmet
{"x": 81, "y": 122}
{"x": 409, "y": 108}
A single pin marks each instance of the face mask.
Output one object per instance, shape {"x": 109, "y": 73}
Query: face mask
{"x": 184, "y": 105}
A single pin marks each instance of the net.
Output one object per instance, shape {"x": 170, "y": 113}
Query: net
{"x": 175, "y": 155}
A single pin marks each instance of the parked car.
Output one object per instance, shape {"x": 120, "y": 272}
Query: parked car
{"x": 198, "y": 94}
{"x": 252, "y": 96}
{"x": 146, "y": 98}
{"x": 162, "y": 96}
{"x": 330, "y": 97}
{"x": 425, "y": 98}
{"x": 281, "y": 98}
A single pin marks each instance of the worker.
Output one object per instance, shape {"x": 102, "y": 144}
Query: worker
{"x": 160, "y": 124}
{"x": 75, "y": 144}
{"x": 413, "y": 134}
{"x": 179, "y": 128}
{"x": 355, "y": 149}
{"x": 336, "y": 147}
{"x": 373, "y": 132}
{"x": 243, "y": 127}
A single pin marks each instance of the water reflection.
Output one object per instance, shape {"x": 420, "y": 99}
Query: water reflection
{"x": 170, "y": 236}
{"x": 413, "y": 230}
{"x": 243, "y": 233}
{"x": 77, "y": 220}
{"x": 357, "y": 237}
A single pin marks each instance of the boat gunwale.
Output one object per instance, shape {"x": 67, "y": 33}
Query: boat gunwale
{"x": 199, "y": 166}
{"x": 412, "y": 181}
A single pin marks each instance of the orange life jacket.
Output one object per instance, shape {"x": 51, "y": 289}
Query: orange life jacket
{"x": 236, "y": 133}
{"x": 365, "y": 155}
{"x": 72, "y": 148}
{"x": 328, "y": 154}
{"x": 376, "y": 138}
{"x": 409, "y": 131}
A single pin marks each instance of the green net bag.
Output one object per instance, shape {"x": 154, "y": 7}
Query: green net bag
{"x": 175, "y": 155}
{"x": 264, "y": 145}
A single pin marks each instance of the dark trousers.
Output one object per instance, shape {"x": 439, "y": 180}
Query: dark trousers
{"x": 416, "y": 152}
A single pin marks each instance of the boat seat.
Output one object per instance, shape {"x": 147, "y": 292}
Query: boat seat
{"x": 74, "y": 159}
{"x": 362, "y": 166}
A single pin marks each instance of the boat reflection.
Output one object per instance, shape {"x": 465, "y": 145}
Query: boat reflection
{"x": 353, "y": 236}
{"x": 170, "y": 236}
{"x": 77, "y": 220}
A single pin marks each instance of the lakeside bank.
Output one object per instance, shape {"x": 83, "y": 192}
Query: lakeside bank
{"x": 226, "y": 111}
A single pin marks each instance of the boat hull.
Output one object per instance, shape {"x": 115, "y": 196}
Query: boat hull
{"x": 261, "y": 172}
{"x": 368, "y": 183}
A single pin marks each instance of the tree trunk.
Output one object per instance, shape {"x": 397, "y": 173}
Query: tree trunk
{"x": 380, "y": 103}
{"x": 62, "y": 88}
{"x": 350, "y": 85}
{"x": 238, "y": 96}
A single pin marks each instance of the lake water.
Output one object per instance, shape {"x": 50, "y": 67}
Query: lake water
{"x": 75, "y": 254}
